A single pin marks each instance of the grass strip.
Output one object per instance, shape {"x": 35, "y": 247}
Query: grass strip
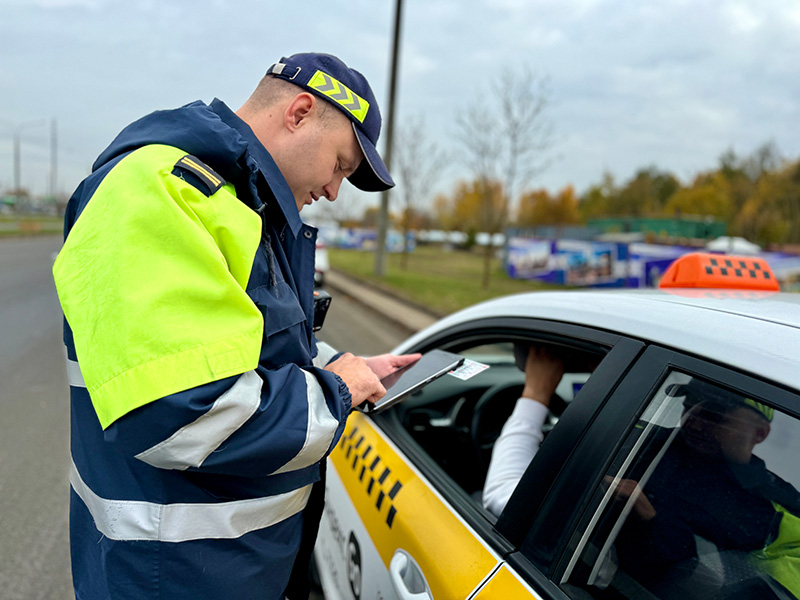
{"x": 437, "y": 279}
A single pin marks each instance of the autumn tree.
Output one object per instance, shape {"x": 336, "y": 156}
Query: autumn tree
{"x": 505, "y": 136}
{"x": 646, "y": 193}
{"x": 369, "y": 219}
{"x": 764, "y": 160}
{"x": 418, "y": 162}
{"x": 540, "y": 208}
{"x": 442, "y": 212}
{"x": 741, "y": 187}
{"x": 757, "y": 195}
{"x": 753, "y": 215}
{"x": 473, "y": 204}
{"x": 772, "y": 213}
{"x": 597, "y": 200}
{"x": 710, "y": 195}
{"x": 534, "y": 208}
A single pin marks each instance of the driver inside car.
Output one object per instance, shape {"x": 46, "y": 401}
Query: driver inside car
{"x": 522, "y": 433}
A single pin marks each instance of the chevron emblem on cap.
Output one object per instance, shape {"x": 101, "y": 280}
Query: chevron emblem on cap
{"x": 341, "y": 94}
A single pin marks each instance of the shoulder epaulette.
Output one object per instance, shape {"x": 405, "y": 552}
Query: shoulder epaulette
{"x": 205, "y": 179}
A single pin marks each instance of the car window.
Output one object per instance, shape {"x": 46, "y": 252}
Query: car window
{"x": 701, "y": 502}
{"x": 457, "y": 422}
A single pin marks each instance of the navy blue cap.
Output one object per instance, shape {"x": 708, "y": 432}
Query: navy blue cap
{"x": 715, "y": 398}
{"x": 329, "y": 78}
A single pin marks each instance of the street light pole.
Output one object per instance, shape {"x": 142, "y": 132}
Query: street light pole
{"x": 17, "y": 159}
{"x": 53, "y": 158}
{"x": 383, "y": 215}
{"x": 16, "y": 162}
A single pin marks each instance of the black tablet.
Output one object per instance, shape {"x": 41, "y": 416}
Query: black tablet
{"x": 409, "y": 379}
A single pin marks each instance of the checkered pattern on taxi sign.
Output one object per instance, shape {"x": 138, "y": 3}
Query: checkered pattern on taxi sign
{"x": 737, "y": 268}
{"x": 372, "y": 473}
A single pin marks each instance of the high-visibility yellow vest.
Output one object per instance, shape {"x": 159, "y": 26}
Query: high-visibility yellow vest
{"x": 147, "y": 321}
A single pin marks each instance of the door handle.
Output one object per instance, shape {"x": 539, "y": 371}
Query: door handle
{"x": 407, "y": 578}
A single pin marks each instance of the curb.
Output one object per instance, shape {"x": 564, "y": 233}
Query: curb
{"x": 399, "y": 312}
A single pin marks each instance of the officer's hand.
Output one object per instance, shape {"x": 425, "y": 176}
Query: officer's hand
{"x": 629, "y": 488}
{"x": 362, "y": 382}
{"x": 385, "y": 364}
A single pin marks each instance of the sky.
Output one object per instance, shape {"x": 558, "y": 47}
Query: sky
{"x": 633, "y": 83}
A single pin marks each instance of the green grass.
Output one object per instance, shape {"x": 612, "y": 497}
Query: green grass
{"x": 13, "y": 225}
{"x": 440, "y": 280}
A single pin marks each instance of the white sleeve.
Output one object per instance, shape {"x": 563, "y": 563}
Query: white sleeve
{"x": 325, "y": 353}
{"x": 513, "y": 451}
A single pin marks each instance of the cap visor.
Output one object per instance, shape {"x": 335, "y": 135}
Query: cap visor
{"x": 371, "y": 175}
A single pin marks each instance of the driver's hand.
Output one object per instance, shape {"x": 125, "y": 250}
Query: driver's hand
{"x": 543, "y": 372}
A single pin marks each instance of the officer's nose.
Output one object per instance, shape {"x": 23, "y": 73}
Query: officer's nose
{"x": 332, "y": 189}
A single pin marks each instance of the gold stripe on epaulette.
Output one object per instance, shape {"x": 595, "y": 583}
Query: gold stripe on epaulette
{"x": 212, "y": 179}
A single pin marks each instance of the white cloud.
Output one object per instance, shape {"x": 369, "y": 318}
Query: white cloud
{"x": 61, "y": 4}
{"x": 673, "y": 83}
{"x": 742, "y": 18}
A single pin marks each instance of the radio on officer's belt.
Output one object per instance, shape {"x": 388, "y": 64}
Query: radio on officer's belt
{"x": 322, "y": 301}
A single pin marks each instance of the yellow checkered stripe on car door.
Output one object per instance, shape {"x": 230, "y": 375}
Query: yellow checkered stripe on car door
{"x": 401, "y": 511}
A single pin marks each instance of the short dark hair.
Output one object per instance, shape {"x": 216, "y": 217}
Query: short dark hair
{"x": 271, "y": 90}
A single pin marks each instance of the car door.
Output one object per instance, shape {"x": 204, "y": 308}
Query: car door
{"x": 403, "y": 513}
{"x": 399, "y": 537}
{"x": 661, "y": 507}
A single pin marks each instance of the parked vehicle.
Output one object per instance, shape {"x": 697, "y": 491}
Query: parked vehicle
{"x": 404, "y": 517}
{"x": 321, "y": 263}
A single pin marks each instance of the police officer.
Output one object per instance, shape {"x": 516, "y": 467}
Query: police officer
{"x": 202, "y": 405}
{"x": 710, "y": 485}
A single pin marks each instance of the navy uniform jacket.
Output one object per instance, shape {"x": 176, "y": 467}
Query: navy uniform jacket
{"x": 200, "y": 409}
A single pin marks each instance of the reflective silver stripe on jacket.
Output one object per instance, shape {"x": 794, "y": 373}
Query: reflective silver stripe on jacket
{"x": 137, "y": 520}
{"x": 74, "y": 375}
{"x": 320, "y": 428}
{"x": 194, "y": 442}
{"x": 325, "y": 352}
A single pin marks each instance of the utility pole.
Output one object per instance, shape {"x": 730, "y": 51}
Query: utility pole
{"x": 17, "y": 159}
{"x": 53, "y": 157}
{"x": 383, "y": 214}
{"x": 16, "y": 162}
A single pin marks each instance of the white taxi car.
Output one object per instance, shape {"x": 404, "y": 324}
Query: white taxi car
{"x": 404, "y": 517}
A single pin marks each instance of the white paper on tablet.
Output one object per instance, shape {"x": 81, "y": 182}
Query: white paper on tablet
{"x": 407, "y": 380}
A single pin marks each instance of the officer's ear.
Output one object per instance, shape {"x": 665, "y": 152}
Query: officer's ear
{"x": 762, "y": 432}
{"x": 299, "y": 110}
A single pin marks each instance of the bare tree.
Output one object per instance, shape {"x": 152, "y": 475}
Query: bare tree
{"x": 506, "y": 136}
{"x": 418, "y": 161}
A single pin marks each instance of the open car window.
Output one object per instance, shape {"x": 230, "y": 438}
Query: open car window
{"x": 457, "y": 422}
{"x": 701, "y": 502}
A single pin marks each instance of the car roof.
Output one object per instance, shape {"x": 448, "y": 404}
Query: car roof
{"x": 757, "y": 332}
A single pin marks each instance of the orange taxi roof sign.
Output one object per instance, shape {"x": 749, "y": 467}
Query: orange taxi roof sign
{"x": 706, "y": 270}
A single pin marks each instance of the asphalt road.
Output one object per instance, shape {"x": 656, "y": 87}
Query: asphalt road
{"x": 34, "y": 425}
{"x": 352, "y": 327}
{"x": 34, "y": 414}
